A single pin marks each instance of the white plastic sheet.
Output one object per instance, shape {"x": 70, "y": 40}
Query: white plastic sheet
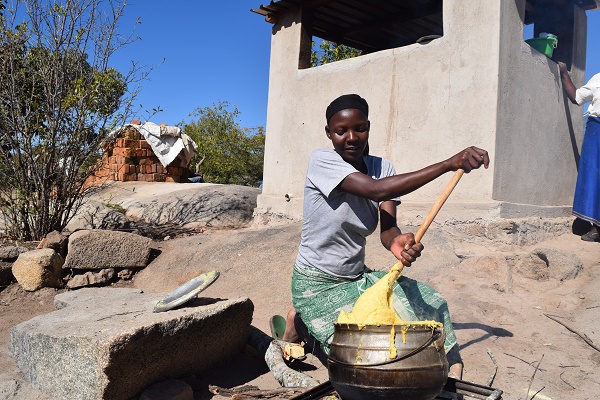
{"x": 167, "y": 142}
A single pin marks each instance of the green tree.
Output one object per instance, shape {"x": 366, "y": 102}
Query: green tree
{"x": 227, "y": 153}
{"x": 330, "y": 52}
{"x": 59, "y": 100}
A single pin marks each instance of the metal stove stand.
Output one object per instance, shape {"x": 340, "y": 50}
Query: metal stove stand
{"x": 453, "y": 390}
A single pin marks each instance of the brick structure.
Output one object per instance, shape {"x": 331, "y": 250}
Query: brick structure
{"x": 130, "y": 158}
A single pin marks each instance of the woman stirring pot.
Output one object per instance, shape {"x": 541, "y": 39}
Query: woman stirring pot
{"x": 347, "y": 193}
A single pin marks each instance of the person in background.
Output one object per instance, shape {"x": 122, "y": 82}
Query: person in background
{"x": 347, "y": 194}
{"x": 586, "y": 203}
{"x": 196, "y": 178}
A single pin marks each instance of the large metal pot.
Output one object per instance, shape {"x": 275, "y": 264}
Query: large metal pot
{"x": 360, "y": 366}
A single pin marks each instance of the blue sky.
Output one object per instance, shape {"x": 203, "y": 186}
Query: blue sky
{"x": 219, "y": 51}
{"x": 213, "y": 51}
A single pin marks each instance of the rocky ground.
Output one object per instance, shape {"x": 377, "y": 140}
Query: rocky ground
{"x": 527, "y": 307}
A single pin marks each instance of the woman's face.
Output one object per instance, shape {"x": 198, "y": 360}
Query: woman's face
{"x": 348, "y": 130}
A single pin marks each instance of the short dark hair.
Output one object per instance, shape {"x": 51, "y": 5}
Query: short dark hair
{"x": 344, "y": 102}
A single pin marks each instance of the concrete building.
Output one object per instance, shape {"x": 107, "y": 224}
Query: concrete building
{"x": 475, "y": 82}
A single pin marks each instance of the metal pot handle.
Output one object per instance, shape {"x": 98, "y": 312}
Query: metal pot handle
{"x": 393, "y": 360}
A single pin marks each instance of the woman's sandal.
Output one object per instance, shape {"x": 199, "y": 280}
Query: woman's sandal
{"x": 277, "y": 324}
{"x": 291, "y": 351}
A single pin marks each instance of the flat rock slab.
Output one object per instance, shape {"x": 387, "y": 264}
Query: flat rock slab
{"x": 106, "y": 343}
{"x": 98, "y": 249}
{"x": 188, "y": 205}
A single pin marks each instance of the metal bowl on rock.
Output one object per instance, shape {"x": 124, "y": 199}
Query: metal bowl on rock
{"x": 360, "y": 366}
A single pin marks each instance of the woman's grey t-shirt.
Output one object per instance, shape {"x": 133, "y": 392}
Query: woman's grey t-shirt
{"x": 335, "y": 223}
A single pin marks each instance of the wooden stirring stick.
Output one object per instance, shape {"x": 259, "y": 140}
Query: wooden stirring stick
{"x": 428, "y": 220}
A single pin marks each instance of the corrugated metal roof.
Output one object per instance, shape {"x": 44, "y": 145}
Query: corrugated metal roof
{"x": 376, "y": 24}
{"x": 366, "y": 25}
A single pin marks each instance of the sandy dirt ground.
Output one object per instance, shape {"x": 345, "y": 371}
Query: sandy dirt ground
{"x": 542, "y": 335}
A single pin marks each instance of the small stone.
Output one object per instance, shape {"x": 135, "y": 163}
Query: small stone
{"x": 37, "y": 269}
{"x": 126, "y": 274}
{"x": 92, "y": 278}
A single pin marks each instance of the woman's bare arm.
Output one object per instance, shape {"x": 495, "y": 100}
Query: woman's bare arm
{"x": 390, "y": 187}
{"x": 567, "y": 84}
{"x": 402, "y": 245}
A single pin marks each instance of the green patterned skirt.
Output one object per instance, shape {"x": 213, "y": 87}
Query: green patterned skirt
{"x": 319, "y": 297}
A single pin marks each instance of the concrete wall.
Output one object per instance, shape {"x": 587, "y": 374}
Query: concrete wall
{"x": 539, "y": 132}
{"x": 427, "y": 102}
